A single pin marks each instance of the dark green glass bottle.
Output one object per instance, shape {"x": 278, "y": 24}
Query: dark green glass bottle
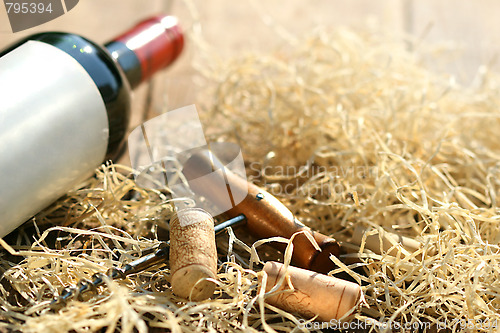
{"x": 65, "y": 108}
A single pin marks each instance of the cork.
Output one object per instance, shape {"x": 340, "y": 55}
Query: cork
{"x": 193, "y": 255}
{"x": 373, "y": 242}
{"x": 313, "y": 294}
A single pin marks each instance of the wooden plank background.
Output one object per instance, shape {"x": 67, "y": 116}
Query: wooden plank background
{"x": 470, "y": 28}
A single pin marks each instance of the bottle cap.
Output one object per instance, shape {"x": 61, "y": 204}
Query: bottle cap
{"x": 156, "y": 42}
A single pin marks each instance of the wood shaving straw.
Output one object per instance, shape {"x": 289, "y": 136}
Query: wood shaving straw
{"x": 347, "y": 129}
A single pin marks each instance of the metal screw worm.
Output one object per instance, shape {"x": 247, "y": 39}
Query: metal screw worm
{"x": 138, "y": 265}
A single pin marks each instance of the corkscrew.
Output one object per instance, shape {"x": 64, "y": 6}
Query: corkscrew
{"x": 266, "y": 215}
{"x": 148, "y": 261}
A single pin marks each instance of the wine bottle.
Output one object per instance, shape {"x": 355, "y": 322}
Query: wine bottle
{"x": 65, "y": 108}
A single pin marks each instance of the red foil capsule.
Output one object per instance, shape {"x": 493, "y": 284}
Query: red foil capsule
{"x": 156, "y": 42}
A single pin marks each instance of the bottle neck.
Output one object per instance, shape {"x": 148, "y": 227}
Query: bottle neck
{"x": 148, "y": 47}
{"x": 128, "y": 61}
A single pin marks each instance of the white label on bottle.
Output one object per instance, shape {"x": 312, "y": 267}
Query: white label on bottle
{"x": 53, "y": 129}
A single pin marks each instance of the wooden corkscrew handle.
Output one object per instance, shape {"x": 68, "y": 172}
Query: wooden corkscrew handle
{"x": 266, "y": 215}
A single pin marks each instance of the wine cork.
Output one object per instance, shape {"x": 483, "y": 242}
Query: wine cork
{"x": 388, "y": 240}
{"x": 193, "y": 255}
{"x": 313, "y": 294}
